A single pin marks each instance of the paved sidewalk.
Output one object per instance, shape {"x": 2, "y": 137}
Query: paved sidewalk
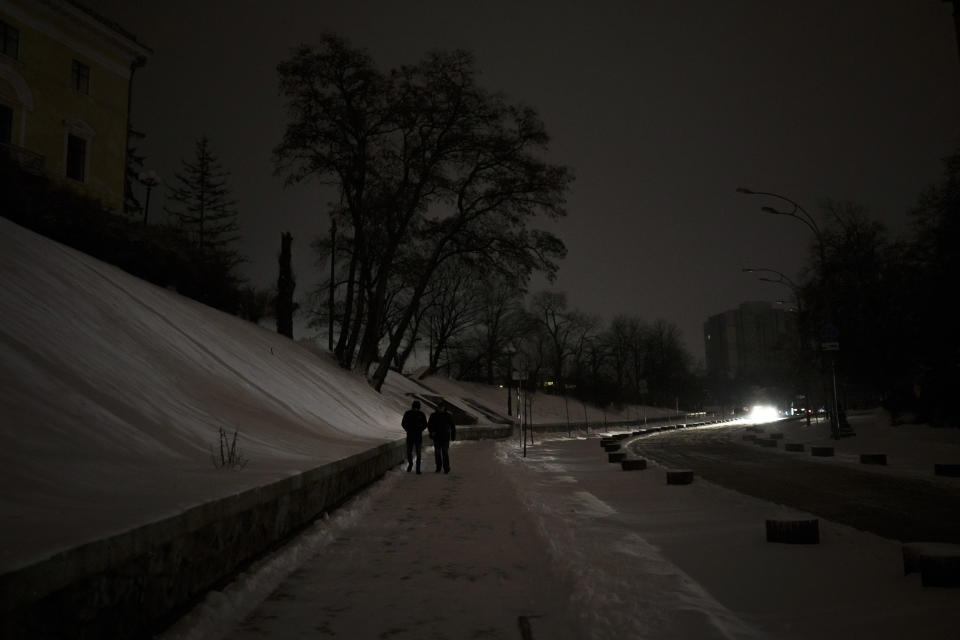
{"x": 436, "y": 556}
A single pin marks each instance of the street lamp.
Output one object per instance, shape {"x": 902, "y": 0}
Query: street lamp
{"x": 149, "y": 179}
{"x": 829, "y": 341}
{"x": 797, "y": 213}
{"x": 510, "y": 351}
{"x": 782, "y": 278}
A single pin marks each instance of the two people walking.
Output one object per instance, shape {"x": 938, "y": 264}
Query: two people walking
{"x": 441, "y": 429}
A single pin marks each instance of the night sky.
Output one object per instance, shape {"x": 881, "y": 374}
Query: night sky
{"x": 662, "y": 109}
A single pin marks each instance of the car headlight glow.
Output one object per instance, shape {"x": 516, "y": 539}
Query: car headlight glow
{"x": 763, "y": 413}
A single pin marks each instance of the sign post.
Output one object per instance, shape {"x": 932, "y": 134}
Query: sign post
{"x": 520, "y": 376}
{"x": 831, "y": 342}
{"x": 642, "y": 390}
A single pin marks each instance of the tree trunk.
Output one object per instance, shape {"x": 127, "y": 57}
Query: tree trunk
{"x": 400, "y": 360}
{"x": 434, "y": 363}
{"x": 285, "y": 286}
{"x": 376, "y": 381}
{"x": 490, "y": 357}
{"x": 369, "y": 345}
{"x": 351, "y": 347}
{"x": 347, "y": 322}
{"x": 331, "y": 306}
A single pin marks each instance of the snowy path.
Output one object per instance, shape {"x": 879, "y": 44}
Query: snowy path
{"x": 435, "y": 556}
{"x": 624, "y": 587}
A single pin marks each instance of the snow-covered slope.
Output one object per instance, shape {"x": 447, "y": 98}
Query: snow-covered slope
{"x": 113, "y": 392}
{"x": 545, "y": 408}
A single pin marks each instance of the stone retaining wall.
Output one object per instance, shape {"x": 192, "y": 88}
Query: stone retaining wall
{"x": 134, "y": 584}
{"x": 578, "y": 426}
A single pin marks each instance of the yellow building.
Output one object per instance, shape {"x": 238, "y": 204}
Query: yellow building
{"x": 66, "y": 76}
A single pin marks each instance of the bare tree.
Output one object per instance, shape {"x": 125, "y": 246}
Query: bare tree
{"x": 566, "y": 330}
{"x": 338, "y": 107}
{"x": 667, "y": 362}
{"x": 455, "y": 307}
{"x": 623, "y": 339}
{"x": 501, "y": 322}
{"x": 429, "y": 165}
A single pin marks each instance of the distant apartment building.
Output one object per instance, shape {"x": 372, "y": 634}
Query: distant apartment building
{"x": 753, "y": 343}
{"x": 65, "y": 85}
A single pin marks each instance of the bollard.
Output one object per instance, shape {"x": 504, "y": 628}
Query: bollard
{"x": 951, "y": 470}
{"x": 794, "y": 531}
{"x": 679, "y": 476}
{"x": 937, "y": 562}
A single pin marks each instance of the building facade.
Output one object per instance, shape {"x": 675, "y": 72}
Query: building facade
{"x": 754, "y": 343}
{"x": 65, "y": 86}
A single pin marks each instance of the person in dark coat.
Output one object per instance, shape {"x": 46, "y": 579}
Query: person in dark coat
{"x": 414, "y": 422}
{"x": 442, "y": 431}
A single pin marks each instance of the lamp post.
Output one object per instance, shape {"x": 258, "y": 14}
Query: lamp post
{"x": 797, "y": 213}
{"x": 782, "y": 278}
{"x": 830, "y": 343}
{"x": 149, "y": 179}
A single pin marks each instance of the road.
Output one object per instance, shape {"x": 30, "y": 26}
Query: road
{"x": 897, "y": 507}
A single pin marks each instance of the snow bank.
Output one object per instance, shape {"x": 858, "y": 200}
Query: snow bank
{"x": 113, "y": 393}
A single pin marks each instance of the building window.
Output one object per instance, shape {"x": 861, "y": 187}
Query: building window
{"x": 6, "y": 124}
{"x": 9, "y": 40}
{"x": 81, "y": 77}
{"x": 76, "y": 158}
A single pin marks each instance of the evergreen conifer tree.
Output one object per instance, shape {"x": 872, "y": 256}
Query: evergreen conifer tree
{"x": 201, "y": 206}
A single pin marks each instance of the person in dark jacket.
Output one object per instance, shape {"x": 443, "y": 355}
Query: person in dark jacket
{"x": 414, "y": 422}
{"x": 442, "y": 431}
